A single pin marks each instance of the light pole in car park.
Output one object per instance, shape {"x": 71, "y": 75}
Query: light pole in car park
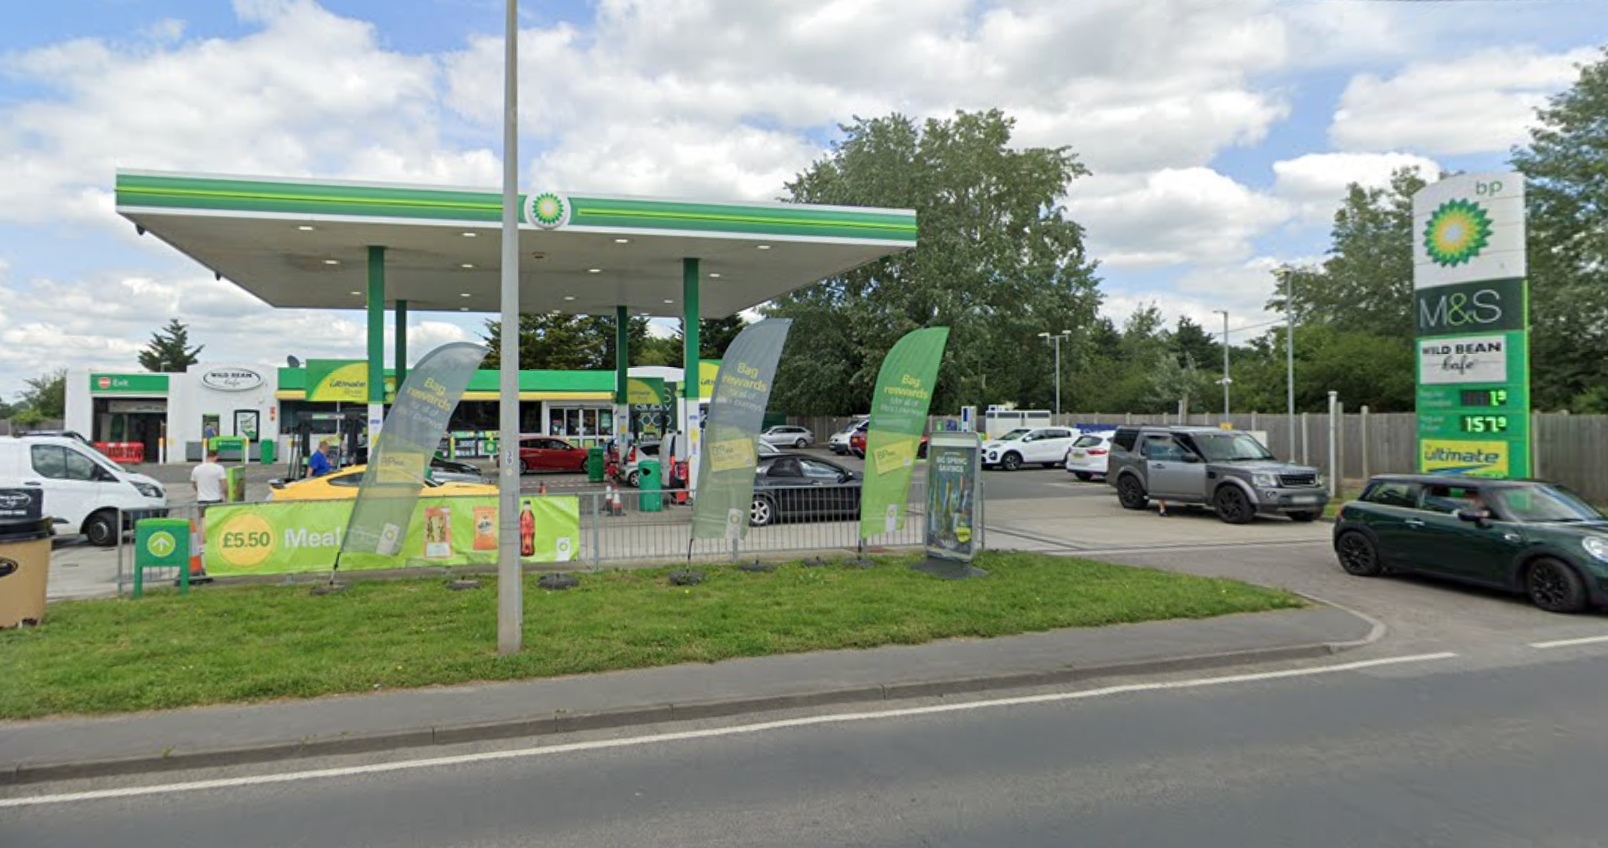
{"x": 1057, "y": 337}
{"x": 1225, "y": 381}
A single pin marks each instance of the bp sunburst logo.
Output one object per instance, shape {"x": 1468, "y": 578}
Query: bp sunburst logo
{"x": 1458, "y": 230}
{"x": 547, "y": 210}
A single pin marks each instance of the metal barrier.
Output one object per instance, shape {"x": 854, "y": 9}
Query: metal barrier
{"x": 614, "y": 528}
{"x": 126, "y": 453}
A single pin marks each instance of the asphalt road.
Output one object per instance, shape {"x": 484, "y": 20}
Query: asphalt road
{"x": 1464, "y": 751}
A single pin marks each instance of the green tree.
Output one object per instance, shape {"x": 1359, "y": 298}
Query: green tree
{"x": 997, "y": 261}
{"x": 567, "y": 342}
{"x": 716, "y": 334}
{"x": 45, "y": 397}
{"x": 1191, "y": 343}
{"x": 169, "y": 350}
{"x": 1566, "y": 170}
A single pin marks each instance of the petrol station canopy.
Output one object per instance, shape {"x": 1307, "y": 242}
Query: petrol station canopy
{"x": 304, "y": 243}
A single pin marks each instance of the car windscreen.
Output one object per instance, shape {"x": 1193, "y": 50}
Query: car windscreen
{"x": 1543, "y": 503}
{"x": 1015, "y": 434}
{"x": 1229, "y": 447}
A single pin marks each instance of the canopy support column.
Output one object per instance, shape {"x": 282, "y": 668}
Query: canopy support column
{"x": 622, "y": 362}
{"x": 689, "y": 367}
{"x": 401, "y": 343}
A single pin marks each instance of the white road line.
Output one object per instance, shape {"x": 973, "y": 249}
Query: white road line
{"x": 761, "y": 727}
{"x": 1564, "y": 643}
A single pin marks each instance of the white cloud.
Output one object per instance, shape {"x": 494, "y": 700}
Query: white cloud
{"x": 1172, "y": 216}
{"x": 1479, "y": 103}
{"x": 1316, "y": 183}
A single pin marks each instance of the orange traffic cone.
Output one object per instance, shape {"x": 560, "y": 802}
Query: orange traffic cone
{"x": 198, "y": 541}
{"x": 615, "y": 506}
{"x": 541, "y": 488}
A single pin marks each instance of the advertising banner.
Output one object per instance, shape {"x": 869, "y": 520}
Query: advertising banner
{"x": 289, "y": 537}
{"x": 1472, "y": 313}
{"x": 400, "y": 457}
{"x": 899, "y": 406}
{"x": 650, "y": 406}
{"x": 736, "y": 415}
{"x": 954, "y": 506}
{"x": 337, "y": 380}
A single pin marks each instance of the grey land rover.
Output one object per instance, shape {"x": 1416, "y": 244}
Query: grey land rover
{"x": 1228, "y": 470}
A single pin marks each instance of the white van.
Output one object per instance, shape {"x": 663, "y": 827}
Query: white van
{"x": 83, "y": 489}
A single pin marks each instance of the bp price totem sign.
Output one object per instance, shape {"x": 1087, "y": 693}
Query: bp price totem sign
{"x": 1471, "y": 305}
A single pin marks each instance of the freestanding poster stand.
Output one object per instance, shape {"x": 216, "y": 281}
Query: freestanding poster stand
{"x": 954, "y": 513}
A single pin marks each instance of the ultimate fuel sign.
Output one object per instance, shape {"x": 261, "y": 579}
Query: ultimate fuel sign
{"x": 1472, "y": 308}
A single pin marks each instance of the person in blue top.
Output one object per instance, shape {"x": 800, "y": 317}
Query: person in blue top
{"x": 318, "y": 463}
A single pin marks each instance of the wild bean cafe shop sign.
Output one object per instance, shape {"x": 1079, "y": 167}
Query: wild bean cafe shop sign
{"x": 1471, "y": 306}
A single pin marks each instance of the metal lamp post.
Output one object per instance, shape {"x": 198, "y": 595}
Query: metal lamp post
{"x": 510, "y": 589}
{"x": 1226, "y": 380}
{"x": 1057, "y": 339}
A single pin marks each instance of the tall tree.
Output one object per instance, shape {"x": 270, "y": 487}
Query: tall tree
{"x": 567, "y": 342}
{"x": 1566, "y": 168}
{"x": 716, "y": 334}
{"x": 45, "y": 397}
{"x": 169, "y": 350}
{"x": 997, "y": 261}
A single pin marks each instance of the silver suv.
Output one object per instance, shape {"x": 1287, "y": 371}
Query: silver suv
{"x": 1228, "y": 470}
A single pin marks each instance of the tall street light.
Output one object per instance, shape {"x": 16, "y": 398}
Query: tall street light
{"x": 510, "y": 589}
{"x": 1225, "y": 381}
{"x": 1063, "y": 334}
{"x": 1289, "y": 355}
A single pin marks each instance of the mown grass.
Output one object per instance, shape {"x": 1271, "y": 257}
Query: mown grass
{"x": 256, "y": 643}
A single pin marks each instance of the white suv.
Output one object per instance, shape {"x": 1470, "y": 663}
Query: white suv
{"x": 1046, "y": 446}
{"x": 788, "y": 436}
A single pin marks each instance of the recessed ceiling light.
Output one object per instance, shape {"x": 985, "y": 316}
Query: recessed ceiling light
{"x": 668, "y": 300}
{"x": 622, "y": 241}
{"x": 332, "y": 261}
{"x": 538, "y": 255}
{"x": 467, "y": 265}
{"x": 357, "y": 294}
{"x": 463, "y": 309}
{"x": 594, "y": 270}
{"x": 465, "y": 294}
{"x": 762, "y": 247}
{"x": 306, "y": 228}
{"x": 644, "y": 314}
{"x": 569, "y": 297}
{"x": 715, "y": 276}
{"x": 470, "y": 235}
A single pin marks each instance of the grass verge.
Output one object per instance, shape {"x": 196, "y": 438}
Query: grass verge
{"x": 257, "y": 643}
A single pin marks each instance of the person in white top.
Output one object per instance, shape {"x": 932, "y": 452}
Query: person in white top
{"x": 207, "y": 480}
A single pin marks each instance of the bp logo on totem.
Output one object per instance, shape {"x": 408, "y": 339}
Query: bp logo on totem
{"x": 1457, "y": 231}
{"x": 245, "y": 540}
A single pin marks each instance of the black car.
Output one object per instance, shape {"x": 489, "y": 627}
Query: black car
{"x": 797, "y": 486}
{"x": 1523, "y": 536}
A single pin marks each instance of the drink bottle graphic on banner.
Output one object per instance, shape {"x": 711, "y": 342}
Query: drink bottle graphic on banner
{"x": 527, "y": 531}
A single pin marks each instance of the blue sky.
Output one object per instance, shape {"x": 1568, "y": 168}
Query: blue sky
{"x": 1220, "y": 132}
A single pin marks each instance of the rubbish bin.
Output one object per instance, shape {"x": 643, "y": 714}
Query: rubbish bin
{"x": 650, "y": 481}
{"x": 270, "y": 449}
{"x": 594, "y": 463}
{"x": 24, "y": 557}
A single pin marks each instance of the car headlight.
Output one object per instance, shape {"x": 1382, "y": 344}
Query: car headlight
{"x": 1597, "y": 546}
{"x": 1264, "y": 479}
{"x": 149, "y": 490}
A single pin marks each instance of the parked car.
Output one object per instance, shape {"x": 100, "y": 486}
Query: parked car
{"x": 1228, "y": 470}
{"x": 547, "y": 453}
{"x": 1089, "y": 455}
{"x": 795, "y": 486}
{"x": 1523, "y": 536}
{"x": 630, "y": 470}
{"x": 858, "y": 440}
{"x": 839, "y": 442}
{"x": 1046, "y": 446}
{"x": 343, "y": 484}
{"x": 83, "y": 490}
{"x": 788, "y": 436}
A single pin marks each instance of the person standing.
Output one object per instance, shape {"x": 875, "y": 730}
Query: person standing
{"x": 318, "y": 463}
{"x": 207, "y": 479}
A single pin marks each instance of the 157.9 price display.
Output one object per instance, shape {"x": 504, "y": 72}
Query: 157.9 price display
{"x": 1482, "y": 423}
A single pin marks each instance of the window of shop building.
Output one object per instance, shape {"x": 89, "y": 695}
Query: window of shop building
{"x": 580, "y": 423}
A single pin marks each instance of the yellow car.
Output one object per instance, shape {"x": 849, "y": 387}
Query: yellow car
{"x": 344, "y": 483}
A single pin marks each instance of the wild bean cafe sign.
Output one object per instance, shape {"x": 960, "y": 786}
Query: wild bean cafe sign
{"x": 1471, "y": 306}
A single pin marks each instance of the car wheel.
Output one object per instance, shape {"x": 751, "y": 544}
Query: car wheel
{"x": 1083, "y": 476}
{"x": 800, "y": 444}
{"x": 1011, "y": 461}
{"x": 1358, "y": 555}
{"x": 1303, "y": 517}
{"x": 101, "y": 529}
{"x": 1232, "y": 506}
{"x": 762, "y": 512}
{"x": 524, "y": 468}
{"x": 633, "y": 478}
{"x": 1131, "y": 494}
{"x": 1555, "y": 587}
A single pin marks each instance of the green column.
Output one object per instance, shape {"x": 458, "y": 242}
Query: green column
{"x": 401, "y": 342}
{"x": 689, "y": 326}
{"x": 622, "y": 327}
{"x": 376, "y": 339}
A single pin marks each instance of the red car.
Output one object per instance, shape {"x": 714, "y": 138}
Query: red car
{"x": 857, "y": 445}
{"x": 545, "y": 453}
